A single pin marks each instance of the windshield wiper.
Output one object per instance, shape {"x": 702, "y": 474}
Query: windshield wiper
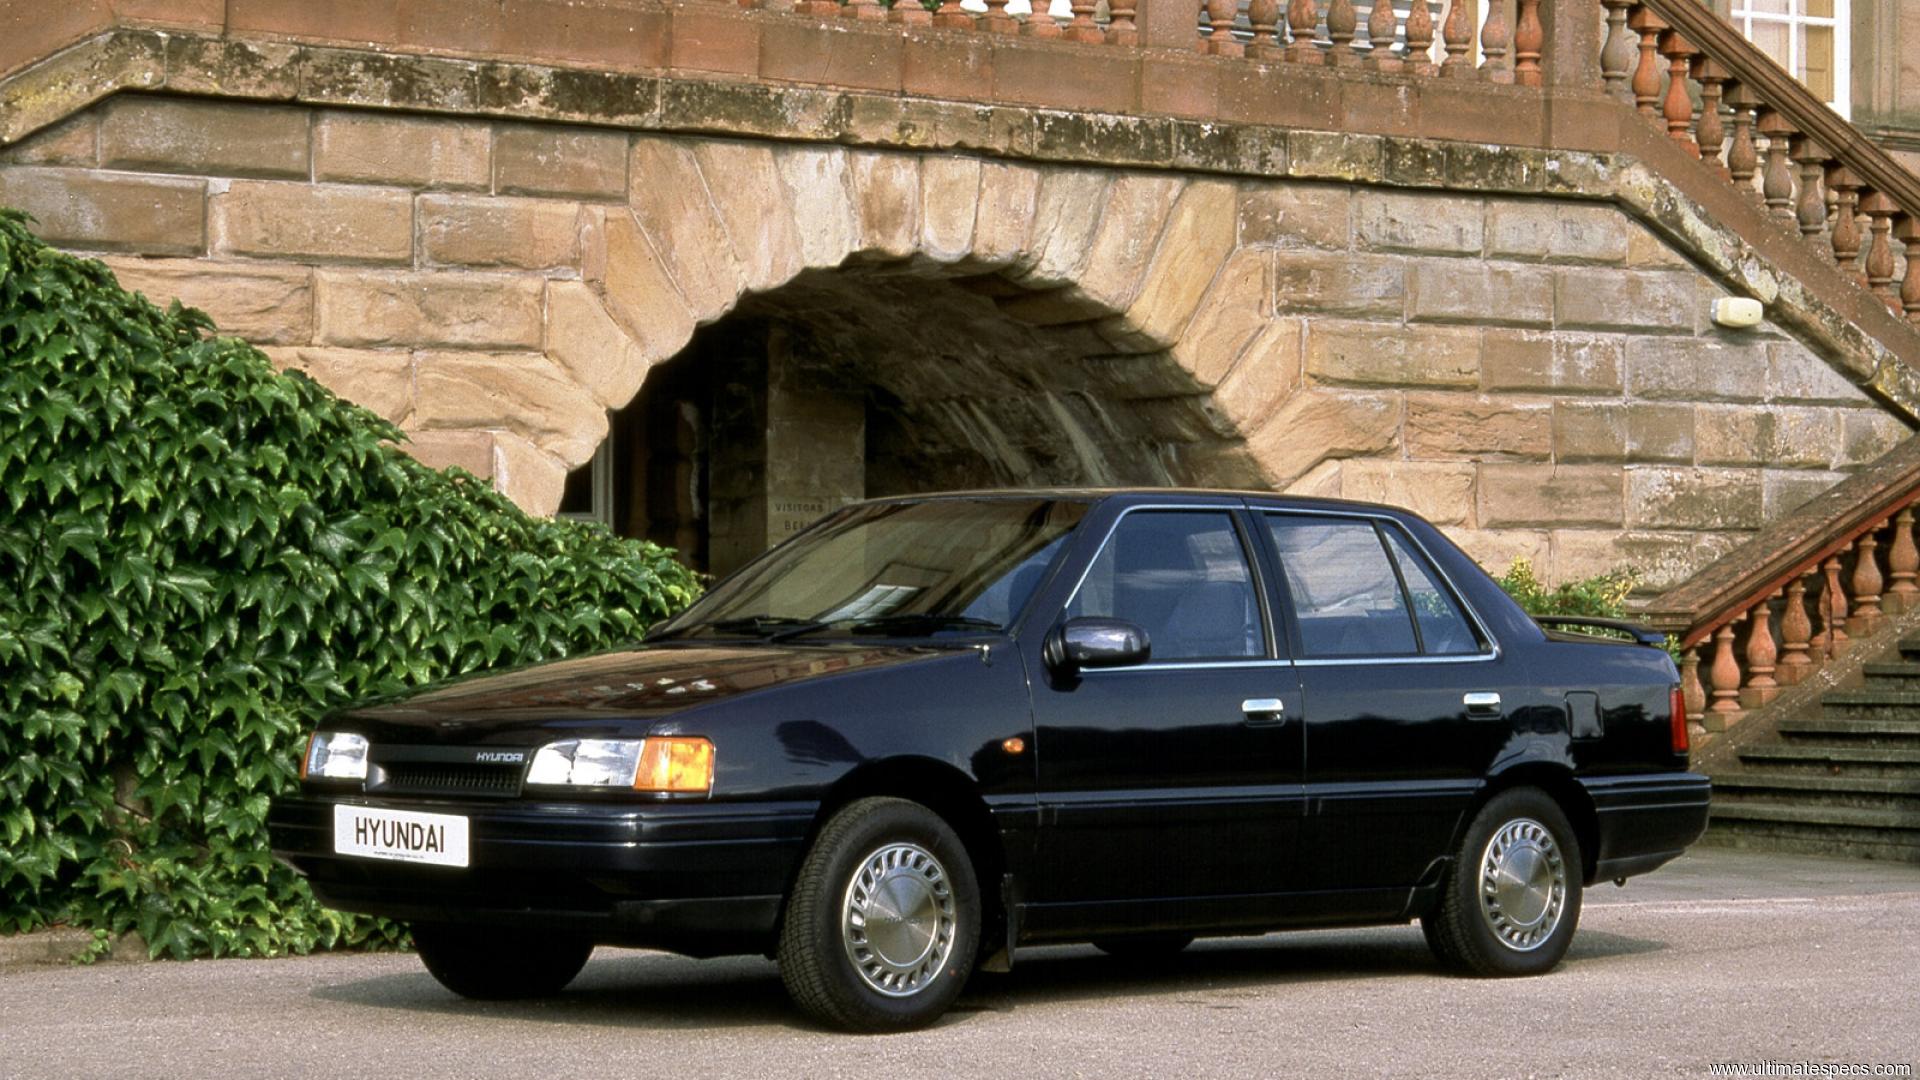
{"x": 920, "y": 621}
{"x": 771, "y": 627}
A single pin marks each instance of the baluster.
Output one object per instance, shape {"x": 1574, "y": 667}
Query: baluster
{"x": 1692, "y": 695}
{"x": 1494, "y": 39}
{"x": 1082, "y": 29}
{"x": 1833, "y": 610}
{"x": 1039, "y": 22}
{"x": 1268, "y": 43}
{"x": 951, "y": 14}
{"x": 1795, "y": 630}
{"x": 1420, "y": 39}
{"x": 1866, "y": 616}
{"x": 1457, "y": 33}
{"x": 1725, "y": 674}
{"x": 1646, "y": 77}
{"x": 1846, "y": 224}
{"x": 1529, "y": 37}
{"x": 1907, "y": 230}
{"x": 1903, "y": 563}
{"x": 1880, "y": 210}
{"x": 996, "y": 20}
{"x": 909, "y": 13}
{"x": 1221, "y": 41}
{"x": 1121, "y": 29}
{"x": 866, "y": 10}
{"x": 1711, "y": 131}
{"x": 1342, "y": 22}
{"x": 1302, "y": 18}
{"x": 1617, "y": 56}
{"x": 1761, "y": 686}
{"x": 1678, "y": 107}
{"x": 1381, "y": 23}
{"x": 1776, "y": 184}
{"x": 1813, "y": 200}
{"x": 1743, "y": 159}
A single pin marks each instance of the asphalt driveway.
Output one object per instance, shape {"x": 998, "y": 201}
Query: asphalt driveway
{"x": 1723, "y": 957}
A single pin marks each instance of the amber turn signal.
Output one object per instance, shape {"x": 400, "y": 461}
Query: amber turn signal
{"x": 1014, "y": 745}
{"x": 675, "y": 764}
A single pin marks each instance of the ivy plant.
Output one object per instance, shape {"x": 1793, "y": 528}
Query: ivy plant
{"x": 200, "y": 556}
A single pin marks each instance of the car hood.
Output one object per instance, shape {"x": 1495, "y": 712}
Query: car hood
{"x": 644, "y": 682}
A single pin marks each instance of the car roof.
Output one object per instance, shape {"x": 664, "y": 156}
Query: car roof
{"x": 1151, "y": 495}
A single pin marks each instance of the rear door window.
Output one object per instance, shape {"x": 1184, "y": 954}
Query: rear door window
{"x": 1347, "y": 597}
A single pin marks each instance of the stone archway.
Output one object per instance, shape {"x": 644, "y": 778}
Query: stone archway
{"x": 1059, "y": 325}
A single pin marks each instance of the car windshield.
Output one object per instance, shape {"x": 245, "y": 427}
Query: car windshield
{"x": 912, "y": 569}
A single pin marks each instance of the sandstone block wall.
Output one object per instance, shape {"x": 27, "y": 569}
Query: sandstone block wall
{"x": 1536, "y": 373}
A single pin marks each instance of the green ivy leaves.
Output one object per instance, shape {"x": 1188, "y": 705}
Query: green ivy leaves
{"x": 198, "y": 558}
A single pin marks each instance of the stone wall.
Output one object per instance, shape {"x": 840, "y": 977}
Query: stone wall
{"x": 1534, "y": 372}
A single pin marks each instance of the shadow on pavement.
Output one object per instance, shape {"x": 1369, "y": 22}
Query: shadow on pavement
{"x": 651, "y": 990}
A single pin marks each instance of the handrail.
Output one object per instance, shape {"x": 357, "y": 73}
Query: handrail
{"x": 1785, "y": 94}
{"x": 1831, "y": 546}
{"x": 1725, "y": 102}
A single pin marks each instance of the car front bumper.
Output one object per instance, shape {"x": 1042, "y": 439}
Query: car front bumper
{"x": 1646, "y": 821}
{"x": 699, "y": 878}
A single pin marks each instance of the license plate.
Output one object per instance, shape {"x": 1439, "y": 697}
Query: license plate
{"x": 400, "y": 835}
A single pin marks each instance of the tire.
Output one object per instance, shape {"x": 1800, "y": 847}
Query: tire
{"x": 1143, "y": 946}
{"x": 495, "y": 964}
{"x": 874, "y": 858}
{"x": 1481, "y": 927}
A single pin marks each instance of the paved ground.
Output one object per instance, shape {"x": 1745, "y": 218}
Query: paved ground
{"x": 1724, "y": 956}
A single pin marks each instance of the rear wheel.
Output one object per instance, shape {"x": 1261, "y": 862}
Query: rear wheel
{"x": 883, "y": 924}
{"x": 1511, "y": 902}
{"x": 1143, "y": 946}
{"x": 494, "y": 964}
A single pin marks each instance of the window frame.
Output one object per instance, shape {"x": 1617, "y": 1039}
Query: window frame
{"x": 1283, "y": 596}
{"x": 1742, "y": 15}
{"x": 1253, "y": 549}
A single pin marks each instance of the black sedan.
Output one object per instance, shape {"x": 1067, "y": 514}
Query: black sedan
{"x": 929, "y": 730}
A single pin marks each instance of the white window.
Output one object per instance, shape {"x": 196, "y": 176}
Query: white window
{"x": 1810, "y": 38}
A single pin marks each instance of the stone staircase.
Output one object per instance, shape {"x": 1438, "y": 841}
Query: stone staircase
{"x": 1841, "y": 777}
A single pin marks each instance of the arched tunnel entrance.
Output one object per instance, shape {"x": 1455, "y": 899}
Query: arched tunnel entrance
{"x": 878, "y": 379}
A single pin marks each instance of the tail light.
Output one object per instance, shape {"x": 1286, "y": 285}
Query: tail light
{"x": 1677, "y": 717}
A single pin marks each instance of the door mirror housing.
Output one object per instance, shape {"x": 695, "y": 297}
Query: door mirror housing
{"x": 1089, "y": 642}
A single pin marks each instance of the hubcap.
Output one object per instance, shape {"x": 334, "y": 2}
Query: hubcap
{"x": 1523, "y": 885}
{"x": 898, "y": 922}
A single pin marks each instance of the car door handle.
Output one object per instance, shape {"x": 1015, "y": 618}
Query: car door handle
{"x": 1264, "y": 710}
{"x": 1482, "y": 702}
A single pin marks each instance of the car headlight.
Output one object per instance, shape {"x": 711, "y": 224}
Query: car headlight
{"x": 675, "y": 764}
{"x": 335, "y": 755}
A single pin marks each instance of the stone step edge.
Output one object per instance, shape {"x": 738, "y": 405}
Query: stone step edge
{"x": 1842, "y": 816}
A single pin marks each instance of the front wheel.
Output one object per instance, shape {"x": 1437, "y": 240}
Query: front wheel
{"x": 493, "y": 964}
{"x": 883, "y": 924}
{"x": 1511, "y": 902}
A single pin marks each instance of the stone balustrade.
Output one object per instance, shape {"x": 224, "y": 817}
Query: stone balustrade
{"x": 1800, "y": 593}
{"x": 1723, "y": 101}
{"x": 1327, "y": 33}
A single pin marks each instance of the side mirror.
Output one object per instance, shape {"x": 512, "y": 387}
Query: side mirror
{"x": 1090, "y": 642}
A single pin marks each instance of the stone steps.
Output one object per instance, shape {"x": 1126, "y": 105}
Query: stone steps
{"x": 1884, "y": 733}
{"x": 1844, "y": 780}
{"x": 1898, "y": 794}
{"x": 1834, "y": 756}
{"x": 1873, "y": 704}
{"x": 1816, "y": 830}
{"x": 1893, "y": 675}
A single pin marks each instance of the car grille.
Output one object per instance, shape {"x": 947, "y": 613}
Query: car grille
{"x": 447, "y": 778}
